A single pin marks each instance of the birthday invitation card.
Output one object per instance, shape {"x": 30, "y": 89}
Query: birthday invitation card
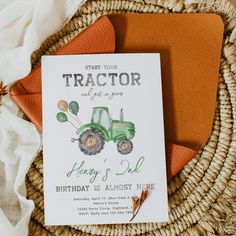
{"x": 103, "y": 139}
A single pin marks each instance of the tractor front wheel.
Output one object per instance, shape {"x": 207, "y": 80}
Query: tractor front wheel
{"x": 124, "y": 146}
{"x": 91, "y": 142}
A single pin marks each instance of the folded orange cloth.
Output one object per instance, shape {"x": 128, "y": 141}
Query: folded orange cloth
{"x": 98, "y": 38}
{"x": 27, "y": 93}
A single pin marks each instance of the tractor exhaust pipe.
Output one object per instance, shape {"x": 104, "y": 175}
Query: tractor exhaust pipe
{"x": 121, "y": 114}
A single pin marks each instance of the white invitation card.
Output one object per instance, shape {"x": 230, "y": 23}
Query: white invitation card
{"x": 103, "y": 139}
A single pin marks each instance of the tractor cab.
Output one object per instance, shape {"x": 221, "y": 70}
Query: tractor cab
{"x": 101, "y": 116}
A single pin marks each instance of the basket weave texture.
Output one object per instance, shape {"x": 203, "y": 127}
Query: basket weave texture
{"x": 202, "y": 197}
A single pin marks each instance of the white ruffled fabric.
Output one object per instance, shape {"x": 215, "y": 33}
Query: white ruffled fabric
{"x": 24, "y": 25}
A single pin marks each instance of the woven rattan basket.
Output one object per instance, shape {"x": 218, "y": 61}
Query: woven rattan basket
{"x": 202, "y": 197}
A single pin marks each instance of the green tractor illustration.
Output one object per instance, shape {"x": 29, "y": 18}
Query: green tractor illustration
{"x": 103, "y": 128}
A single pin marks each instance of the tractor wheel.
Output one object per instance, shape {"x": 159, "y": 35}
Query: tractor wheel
{"x": 91, "y": 142}
{"x": 124, "y": 146}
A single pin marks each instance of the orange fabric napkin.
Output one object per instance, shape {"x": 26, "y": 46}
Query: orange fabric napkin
{"x": 27, "y": 93}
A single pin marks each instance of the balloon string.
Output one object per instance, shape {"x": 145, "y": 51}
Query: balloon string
{"x": 79, "y": 121}
{"x": 72, "y": 124}
{"x": 73, "y": 118}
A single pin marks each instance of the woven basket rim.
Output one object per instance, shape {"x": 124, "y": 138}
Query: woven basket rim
{"x": 197, "y": 191}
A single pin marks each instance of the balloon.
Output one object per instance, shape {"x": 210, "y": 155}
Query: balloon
{"x": 63, "y": 105}
{"x": 61, "y": 117}
{"x": 74, "y": 107}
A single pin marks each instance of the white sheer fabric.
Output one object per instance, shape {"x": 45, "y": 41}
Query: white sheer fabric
{"x": 24, "y": 25}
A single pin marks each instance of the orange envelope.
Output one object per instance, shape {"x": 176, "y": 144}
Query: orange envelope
{"x": 190, "y": 49}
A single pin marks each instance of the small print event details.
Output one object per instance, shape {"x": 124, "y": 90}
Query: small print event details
{"x": 103, "y": 139}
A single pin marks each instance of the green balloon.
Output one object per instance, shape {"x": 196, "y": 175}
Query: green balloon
{"x": 61, "y": 117}
{"x": 74, "y": 107}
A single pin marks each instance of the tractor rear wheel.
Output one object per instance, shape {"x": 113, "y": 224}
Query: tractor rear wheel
{"x": 124, "y": 146}
{"x": 91, "y": 142}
